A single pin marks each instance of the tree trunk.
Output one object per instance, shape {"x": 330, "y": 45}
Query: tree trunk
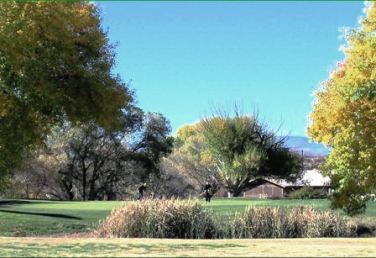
{"x": 84, "y": 185}
{"x": 83, "y": 178}
{"x": 235, "y": 190}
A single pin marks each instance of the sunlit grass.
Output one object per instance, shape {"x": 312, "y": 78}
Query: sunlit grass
{"x": 324, "y": 247}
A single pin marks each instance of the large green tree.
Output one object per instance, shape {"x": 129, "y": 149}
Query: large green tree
{"x": 55, "y": 65}
{"x": 243, "y": 150}
{"x": 344, "y": 118}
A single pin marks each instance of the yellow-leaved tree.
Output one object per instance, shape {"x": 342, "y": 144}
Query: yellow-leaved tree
{"x": 55, "y": 65}
{"x": 344, "y": 118}
{"x": 192, "y": 158}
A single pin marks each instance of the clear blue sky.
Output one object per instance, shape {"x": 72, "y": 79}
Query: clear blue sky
{"x": 183, "y": 58}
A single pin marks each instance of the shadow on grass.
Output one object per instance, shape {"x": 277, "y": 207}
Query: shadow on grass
{"x": 187, "y": 246}
{"x": 54, "y": 215}
{"x": 205, "y": 246}
{"x": 17, "y": 202}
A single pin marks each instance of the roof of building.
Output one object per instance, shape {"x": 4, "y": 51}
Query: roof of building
{"x": 261, "y": 181}
{"x": 311, "y": 177}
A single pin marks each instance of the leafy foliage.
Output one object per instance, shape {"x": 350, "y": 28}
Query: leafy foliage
{"x": 89, "y": 163}
{"x": 307, "y": 192}
{"x": 192, "y": 158}
{"x": 344, "y": 116}
{"x": 151, "y": 141}
{"x": 55, "y": 65}
{"x": 244, "y": 149}
{"x": 355, "y": 203}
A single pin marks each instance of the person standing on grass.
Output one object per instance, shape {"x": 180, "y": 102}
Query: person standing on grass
{"x": 141, "y": 190}
{"x": 207, "y": 191}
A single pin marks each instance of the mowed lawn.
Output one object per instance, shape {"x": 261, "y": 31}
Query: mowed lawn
{"x": 128, "y": 247}
{"x": 42, "y": 218}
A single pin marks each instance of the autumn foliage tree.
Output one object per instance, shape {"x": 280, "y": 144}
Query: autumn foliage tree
{"x": 55, "y": 65}
{"x": 191, "y": 157}
{"x": 344, "y": 118}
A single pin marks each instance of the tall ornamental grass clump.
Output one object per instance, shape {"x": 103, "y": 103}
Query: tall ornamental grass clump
{"x": 303, "y": 221}
{"x": 159, "y": 219}
{"x": 257, "y": 222}
{"x": 188, "y": 219}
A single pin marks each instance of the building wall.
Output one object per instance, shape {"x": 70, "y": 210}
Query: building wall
{"x": 222, "y": 192}
{"x": 264, "y": 191}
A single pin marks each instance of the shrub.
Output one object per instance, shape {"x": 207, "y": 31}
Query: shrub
{"x": 159, "y": 219}
{"x": 306, "y": 192}
{"x": 357, "y": 205}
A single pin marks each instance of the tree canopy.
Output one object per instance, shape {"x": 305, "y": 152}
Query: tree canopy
{"x": 192, "y": 157}
{"x": 55, "y": 65}
{"x": 344, "y": 117}
{"x": 233, "y": 151}
{"x": 88, "y": 163}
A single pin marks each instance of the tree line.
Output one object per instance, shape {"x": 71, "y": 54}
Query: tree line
{"x": 71, "y": 129}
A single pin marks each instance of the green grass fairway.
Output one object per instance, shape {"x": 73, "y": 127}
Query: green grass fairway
{"x": 29, "y": 218}
{"x": 38, "y": 218}
{"x": 324, "y": 247}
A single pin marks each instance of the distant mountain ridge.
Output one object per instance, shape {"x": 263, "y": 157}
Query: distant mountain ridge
{"x": 299, "y": 143}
